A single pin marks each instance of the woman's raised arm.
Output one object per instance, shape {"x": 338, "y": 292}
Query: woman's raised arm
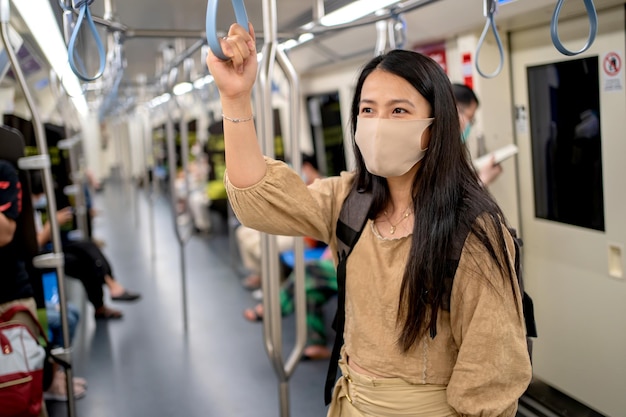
{"x": 235, "y": 79}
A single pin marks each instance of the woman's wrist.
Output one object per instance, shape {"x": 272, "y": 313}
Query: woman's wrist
{"x": 232, "y": 103}
{"x": 237, "y": 110}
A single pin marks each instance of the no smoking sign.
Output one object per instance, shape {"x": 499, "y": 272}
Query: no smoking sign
{"x": 612, "y": 68}
{"x": 612, "y": 64}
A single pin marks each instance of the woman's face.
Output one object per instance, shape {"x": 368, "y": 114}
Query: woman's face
{"x": 388, "y": 96}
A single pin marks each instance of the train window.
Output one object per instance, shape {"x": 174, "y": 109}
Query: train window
{"x": 325, "y": 122}
{"x": 564, "y": 109}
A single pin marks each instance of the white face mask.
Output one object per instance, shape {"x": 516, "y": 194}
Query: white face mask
{"x": 41, "y": 202}
{"x": 390, "y": 147}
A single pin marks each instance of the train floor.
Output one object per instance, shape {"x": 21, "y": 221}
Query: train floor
{"x": 148, "y": 365}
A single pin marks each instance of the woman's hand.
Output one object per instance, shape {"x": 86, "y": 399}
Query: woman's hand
{"x": 64, "y": 216}
{"x": 235, "y": 78}
{"x": 490, "y": 172}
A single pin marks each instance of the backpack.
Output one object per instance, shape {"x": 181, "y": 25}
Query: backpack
{"x": 350, "y": 224}
{"x": 21, "y": 366}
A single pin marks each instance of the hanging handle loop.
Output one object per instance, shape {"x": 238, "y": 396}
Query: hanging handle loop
{"x": 489, "y": 10}
{"x": 211, "y": 29}
{"x": 593, "y": 28}
{"x": 83, "y": 14}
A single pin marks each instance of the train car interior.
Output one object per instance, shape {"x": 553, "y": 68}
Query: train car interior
{"x": 124, "y": 141}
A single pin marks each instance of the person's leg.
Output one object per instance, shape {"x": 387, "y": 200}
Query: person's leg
{"x": 54, "y": 322}
{"x": 103, "y": 270}
{"x": 93, "y": 252}
{"x": 78, "y": 266}
{"x": 284, "y": 243}
{"x": 81, "y": 265}
{"x": 321, "y": 285}
{"x": 249, "y": 244}
{"x": 199, "y": 208}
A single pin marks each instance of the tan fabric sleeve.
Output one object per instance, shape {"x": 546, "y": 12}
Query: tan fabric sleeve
{"x": 492, "y": 369}
{"x": 282, "y": 204}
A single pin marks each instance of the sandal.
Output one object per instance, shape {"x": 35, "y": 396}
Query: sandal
{"x": 251, "y": 282}
{"x": 316, "y": 352}
{"x": 126, "y": 296}
{"x": 58, "y": 389}
{"x": 106, "y": 313}
{"x": 254, "y": 314}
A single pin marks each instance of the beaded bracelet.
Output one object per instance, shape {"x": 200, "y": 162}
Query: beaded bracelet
{"x": 235, "y": 120}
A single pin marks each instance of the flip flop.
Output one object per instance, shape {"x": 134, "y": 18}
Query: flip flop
{"x": 322, "y": 354}
{"x": 126, "y": 296}
{"x": 251, "y": 282}
{"x": 254, "y": 314}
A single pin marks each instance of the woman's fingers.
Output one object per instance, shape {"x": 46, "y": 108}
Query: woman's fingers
{"x": 237, "y": 74}
{"x": 238, "y": 45}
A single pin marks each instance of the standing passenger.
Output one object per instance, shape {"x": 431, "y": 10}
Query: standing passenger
{"x": 406, "y": 352}
{"x": 467, "y": 104}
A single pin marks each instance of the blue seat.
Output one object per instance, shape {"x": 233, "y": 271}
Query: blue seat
{"x": 288, "y": 258}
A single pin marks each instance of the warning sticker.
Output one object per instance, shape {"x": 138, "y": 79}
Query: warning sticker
{"x": 612, "y": 64}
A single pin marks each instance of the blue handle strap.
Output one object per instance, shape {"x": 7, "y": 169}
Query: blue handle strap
{"x": 593, "y": 28}
{"x": 83, "y": 14}
{"x": 489, "y": 11}
{"x": 211, "y": 28}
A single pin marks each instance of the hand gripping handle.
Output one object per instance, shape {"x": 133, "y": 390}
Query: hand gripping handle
{"x": 211, "y": 29}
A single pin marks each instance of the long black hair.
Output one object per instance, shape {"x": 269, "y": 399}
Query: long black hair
{"x": 444, "y": 189}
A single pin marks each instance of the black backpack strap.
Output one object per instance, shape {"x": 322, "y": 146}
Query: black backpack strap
{"x": 527, "y": 303}
{"x": 454, "y": 255}
{"x": 352, "y": 219}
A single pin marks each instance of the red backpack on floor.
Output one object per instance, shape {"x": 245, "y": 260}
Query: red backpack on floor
{"x": 21, "y": 366}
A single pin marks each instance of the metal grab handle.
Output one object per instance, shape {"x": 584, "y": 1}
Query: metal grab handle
{"x": 71, "y": 49}
{"x": 489, "y": 10}
{"x": 211, "y": 28}
{"x": 593, "y": 28}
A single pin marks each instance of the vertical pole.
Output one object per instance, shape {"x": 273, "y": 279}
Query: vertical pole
{"x": 272, "y": 325}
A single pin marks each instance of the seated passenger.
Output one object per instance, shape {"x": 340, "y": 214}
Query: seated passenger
{"x": 15, "y": 285}
{"x": 249, "y": 240}
{"x": 320, "y": 286}
{"x": 191, "y": 191}
{"x": 83, "y": 260}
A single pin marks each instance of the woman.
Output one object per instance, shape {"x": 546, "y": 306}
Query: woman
{"x": 404, "y": 353}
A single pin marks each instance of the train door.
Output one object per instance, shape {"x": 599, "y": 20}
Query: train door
{"x": 570, "y": 124}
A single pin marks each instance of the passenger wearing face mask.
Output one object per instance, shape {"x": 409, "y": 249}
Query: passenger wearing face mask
{"x": 83, "y": 259}
{"x": 407, "y": 351}
{"x": 467, "y": 104}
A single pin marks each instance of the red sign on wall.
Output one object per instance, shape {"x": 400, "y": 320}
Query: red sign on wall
{"x": 435, "y": 51}
{"x": 466, "y": 69}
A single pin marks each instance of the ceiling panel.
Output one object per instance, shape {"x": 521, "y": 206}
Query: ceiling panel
{"x": 436, "y": 21}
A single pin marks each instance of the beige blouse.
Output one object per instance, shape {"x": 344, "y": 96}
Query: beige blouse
{"x": 480, "y": 350}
